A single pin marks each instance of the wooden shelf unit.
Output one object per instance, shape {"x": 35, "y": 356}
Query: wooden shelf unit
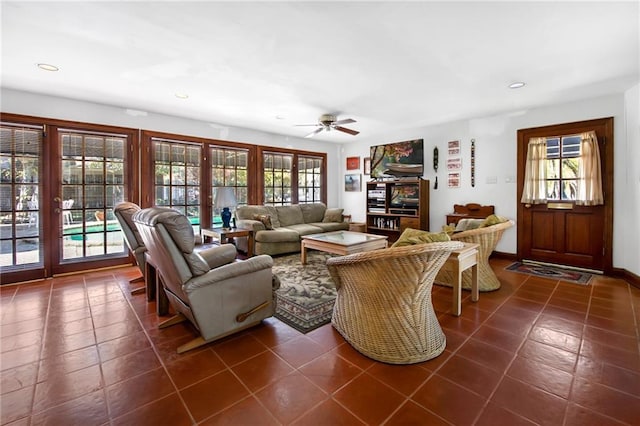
{"x": 394, "y": 205}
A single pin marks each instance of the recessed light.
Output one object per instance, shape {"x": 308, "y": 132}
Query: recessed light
{"x": 48, "y": 67}
{"x": 182, "y": 96}
{"x": 516, "y": 85}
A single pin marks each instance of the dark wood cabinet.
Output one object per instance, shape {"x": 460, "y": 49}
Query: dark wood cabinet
{"x": 394, "y": 205}
{"x": 468, "y": 211}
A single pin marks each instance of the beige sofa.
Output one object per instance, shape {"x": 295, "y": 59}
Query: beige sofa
{"x": 287, "y": 225}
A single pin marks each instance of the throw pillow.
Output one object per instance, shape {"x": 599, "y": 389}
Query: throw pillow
{"x": 415, "y": 236}
{"x": 265, "y": 219}
{"x": 493, "y": 220}
{"x": 333, "y": 215}
{"x": 468, "y": 224}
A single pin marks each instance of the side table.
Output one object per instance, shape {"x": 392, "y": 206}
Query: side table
{"x": 223, "y": 235}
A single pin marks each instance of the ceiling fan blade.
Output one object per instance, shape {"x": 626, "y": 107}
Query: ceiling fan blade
{"x": 303, "y": 125}
{"x": 344, "y": 129}
{"x": 316, "y": 131}
{"x": 345, "y": 121}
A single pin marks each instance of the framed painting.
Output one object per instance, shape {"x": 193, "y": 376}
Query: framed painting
{"x": 352, "y": 183}
{"x": 367, "y": 166}
{"x": 353, "y": 163}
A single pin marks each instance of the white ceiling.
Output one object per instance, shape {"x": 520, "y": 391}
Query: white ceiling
{"x": 388, "y": 65}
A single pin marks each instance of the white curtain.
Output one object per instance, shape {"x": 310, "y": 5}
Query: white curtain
{"x": 589, "y": 191}
{"x": 535, "y": 174}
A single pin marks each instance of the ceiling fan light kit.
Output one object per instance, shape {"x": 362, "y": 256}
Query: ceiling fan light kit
{"x": 327, "y": 122}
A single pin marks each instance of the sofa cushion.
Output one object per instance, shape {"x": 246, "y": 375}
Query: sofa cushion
{"x": 289, "y": 215}
{"x": 277, "y": 235}
{"x": 313, "y": 212}
{"x": 248, "y": 212}
{"x": 415, "y": 236}
{"x": 333, "y": 215}
{"x": 331, "y": 226}
{"x": 265, "y": 219}
{"x": 305, "y": 229}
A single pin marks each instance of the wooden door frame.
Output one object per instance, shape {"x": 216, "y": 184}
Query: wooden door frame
{"x": 604, "y": 129}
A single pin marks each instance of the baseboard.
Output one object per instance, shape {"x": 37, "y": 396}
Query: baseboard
{"x": 623, "y": 274}
{"x": 506, "y": 256}
{"x": 629, "y": 277}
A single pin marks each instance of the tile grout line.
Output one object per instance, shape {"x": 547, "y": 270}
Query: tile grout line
{"x": 160, "y": 360}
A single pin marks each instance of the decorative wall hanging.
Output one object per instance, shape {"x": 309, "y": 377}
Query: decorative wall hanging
{"x": 353, "y": 163}
{"x": 352, "y": 183}
{"x": 435, "y": 166}
{"x": 454, "y": 163}
{"x": 473, "y": 163}
{"x": 454, "y": 180}
{"x": 367, "y": 165}
{"x": 454, "y": 148}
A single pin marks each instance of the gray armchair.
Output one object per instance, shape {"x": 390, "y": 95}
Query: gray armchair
{"x": 218, "y": 294}
{"x": 124, "y": 212}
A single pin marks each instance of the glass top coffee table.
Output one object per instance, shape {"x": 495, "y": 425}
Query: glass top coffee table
{"x": 341, "y": 242}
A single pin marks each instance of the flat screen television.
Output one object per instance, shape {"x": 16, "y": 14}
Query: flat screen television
{"x": 398, "y": 159}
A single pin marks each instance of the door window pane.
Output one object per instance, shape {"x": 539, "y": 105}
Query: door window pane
{"x": 93, "y": 182}
{"x": 21, "y": 242}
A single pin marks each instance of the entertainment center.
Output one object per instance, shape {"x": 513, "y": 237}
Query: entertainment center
{"x": 394, "y": 205}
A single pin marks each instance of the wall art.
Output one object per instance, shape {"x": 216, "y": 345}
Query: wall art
{"x": 352, "y": 183}
{"x": 367, "y": 165}
{"x": 353, "y": 163}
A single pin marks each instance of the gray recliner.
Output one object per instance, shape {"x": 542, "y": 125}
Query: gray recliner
{"x": 124, "y": 212}
{"x": 218, "y": 294}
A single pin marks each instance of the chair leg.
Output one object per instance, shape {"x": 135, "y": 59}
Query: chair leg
{"x": 195, "y": 343}
{"x": 176, "y": 319}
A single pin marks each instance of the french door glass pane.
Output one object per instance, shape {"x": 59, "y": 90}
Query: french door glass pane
{"x": 93, "y": 182}
{"x": 21, "y": 242}
{"x": 177, "y": 178}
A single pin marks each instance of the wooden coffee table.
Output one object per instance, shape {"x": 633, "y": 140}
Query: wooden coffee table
{"x": 341, "y": 242}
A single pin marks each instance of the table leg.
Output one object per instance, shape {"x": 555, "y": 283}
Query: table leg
{"x": 303, "y": 253}
{"x": 457, "y": 290}
{"x": 250, "y": 243}
{"x": 474, "y": 283}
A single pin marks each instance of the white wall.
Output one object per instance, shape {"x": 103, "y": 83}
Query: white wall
{"x": 25, "y": 103}
{"x": 496, "y": 151}
{"x": 495, "y": 154}
{"x": 629, "y": 224}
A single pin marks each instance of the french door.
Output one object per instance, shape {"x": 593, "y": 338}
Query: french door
{"x": 58, "y": 186}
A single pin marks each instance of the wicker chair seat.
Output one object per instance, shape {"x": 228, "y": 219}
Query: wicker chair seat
{"x": 383, "y": 307}
{"x": 488, "y": 239}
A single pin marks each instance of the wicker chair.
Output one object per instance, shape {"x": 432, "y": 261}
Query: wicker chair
{"x": 383, "y": 308}
{"x": 488, "y": 238}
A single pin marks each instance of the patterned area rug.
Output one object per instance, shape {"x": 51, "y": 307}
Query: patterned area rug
{"x": 307, "y": 292}
{"x": 568, "y": 275}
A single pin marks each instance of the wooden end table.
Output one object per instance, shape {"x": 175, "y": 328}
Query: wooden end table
{"x": 459, "y": 261}
{"x": 224, "y": 234}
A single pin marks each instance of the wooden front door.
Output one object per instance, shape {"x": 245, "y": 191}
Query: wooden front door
{"x": 560, "y": 231}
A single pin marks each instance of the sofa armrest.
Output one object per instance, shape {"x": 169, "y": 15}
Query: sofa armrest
{"x": 218, "y": 256}
{"x": 228, "y": 271}
{"x": 254, "y": 225}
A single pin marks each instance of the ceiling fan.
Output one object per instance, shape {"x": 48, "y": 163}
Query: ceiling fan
{"x": 329, "y": 121}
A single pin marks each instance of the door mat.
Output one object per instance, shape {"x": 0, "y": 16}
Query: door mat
{"x": 307, "y": 293}
{"x": 562, "y": 274}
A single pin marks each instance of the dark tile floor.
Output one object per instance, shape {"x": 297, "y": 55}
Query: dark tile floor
{"x": 81, "y": 350}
